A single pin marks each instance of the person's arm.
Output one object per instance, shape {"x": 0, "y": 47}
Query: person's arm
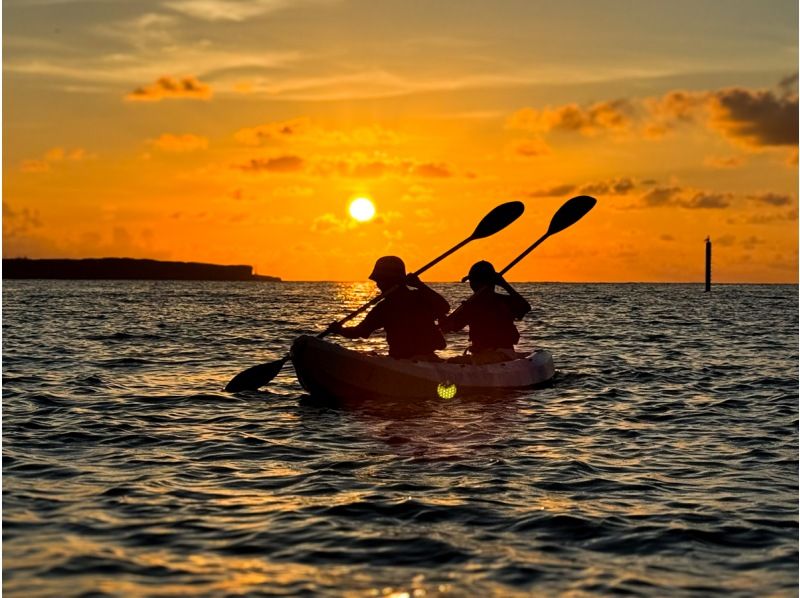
{"x": 519, "y": 305}
{"x": 438, "y": 304}
{"x": 456, "y": 320}
{"x": 372, "y": 322}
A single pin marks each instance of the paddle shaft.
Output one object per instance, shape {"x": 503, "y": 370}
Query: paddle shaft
{"x": 516, "y": 260}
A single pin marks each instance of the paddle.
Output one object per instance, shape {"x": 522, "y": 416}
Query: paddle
{"x": 495, "y": 221}
{"x": 567, "y": 215}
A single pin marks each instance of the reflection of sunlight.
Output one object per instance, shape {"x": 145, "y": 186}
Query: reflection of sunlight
{"x": 352, "y": 295}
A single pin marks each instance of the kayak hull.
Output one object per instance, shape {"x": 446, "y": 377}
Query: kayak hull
{"x": 327, "y": 370}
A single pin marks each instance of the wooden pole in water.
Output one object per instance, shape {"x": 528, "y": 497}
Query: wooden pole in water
{"x": 708, "y": 264}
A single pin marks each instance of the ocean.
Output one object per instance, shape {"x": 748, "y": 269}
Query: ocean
{"x": 662, "y": 461}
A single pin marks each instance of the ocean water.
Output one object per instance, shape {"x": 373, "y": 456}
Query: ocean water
{"x": 662, "y": 461}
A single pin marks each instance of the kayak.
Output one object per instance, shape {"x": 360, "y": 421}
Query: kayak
{"x": 328, "y": 370}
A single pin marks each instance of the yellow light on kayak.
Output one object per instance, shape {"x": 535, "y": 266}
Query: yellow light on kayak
{"x": 446, "y": 390}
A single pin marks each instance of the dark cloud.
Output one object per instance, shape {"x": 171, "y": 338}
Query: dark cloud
{"x": 18, "y": 222}
{"x": 772, "y": 199}
{"x": 711, "y": 201}
{"x": 614, "y": 187}
{"x": 277, "y": 164}
{"x": 274, "y": 131}
{"x": 725, "y": 240}
{"x": 788, "y": 216}
{"x": 553, "y": 191}
{"x": 788, "y": 85}
{"x": 171, "y": 88}
{"x": 755, "y": 118}
{"x": 661, "y": 196}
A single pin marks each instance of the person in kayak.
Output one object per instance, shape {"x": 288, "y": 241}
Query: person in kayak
{"x": 489, "y": 315}
{"x": 408, "y": 315}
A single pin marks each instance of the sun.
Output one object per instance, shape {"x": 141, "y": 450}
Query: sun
{"x": 362, "y": 209}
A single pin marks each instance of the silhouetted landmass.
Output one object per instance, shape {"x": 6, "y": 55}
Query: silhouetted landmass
{"x": 126, "y": 269}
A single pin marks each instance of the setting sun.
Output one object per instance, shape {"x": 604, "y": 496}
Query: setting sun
{"x": 362, "y": 209}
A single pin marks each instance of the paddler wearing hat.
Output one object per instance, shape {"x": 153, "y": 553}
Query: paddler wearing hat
{"x": 489, "y": 315}
{"x": 408, "y": 315}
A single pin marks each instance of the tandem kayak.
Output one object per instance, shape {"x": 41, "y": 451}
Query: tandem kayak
{"x": 328, "y": 370}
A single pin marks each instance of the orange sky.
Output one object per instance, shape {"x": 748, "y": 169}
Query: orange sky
{"x": 238, "y": 132}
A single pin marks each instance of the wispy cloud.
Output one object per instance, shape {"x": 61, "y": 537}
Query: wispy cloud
{"x": 725, "y": 161}
{"x": 234, "y": 10}
{"x": 305, "y": 130}
{"x": 53, "y": 156}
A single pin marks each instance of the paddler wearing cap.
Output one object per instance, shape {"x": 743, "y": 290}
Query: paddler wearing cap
{"x": 408, "y": 315}
{"x": 489, "y": 315}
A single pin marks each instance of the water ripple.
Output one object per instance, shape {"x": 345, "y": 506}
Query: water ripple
{"x": 661, "y": 461}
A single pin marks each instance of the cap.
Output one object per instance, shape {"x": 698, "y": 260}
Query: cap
{"x": 480, "y": 271}
{"x": 388, "y": 266}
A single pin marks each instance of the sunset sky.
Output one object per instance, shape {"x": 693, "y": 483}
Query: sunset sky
{"x": 237, "y": 132}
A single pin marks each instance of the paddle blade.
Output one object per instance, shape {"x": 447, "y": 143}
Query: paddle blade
{"x": 572, "y": 211}
{"x": 255, "y": 377}
{"x": 498, "y": 219}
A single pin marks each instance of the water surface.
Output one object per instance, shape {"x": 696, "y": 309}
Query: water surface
{"x": 662, "y": 461}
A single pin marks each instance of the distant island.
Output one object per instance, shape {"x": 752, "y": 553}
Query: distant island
{"x": 114, "y": 268}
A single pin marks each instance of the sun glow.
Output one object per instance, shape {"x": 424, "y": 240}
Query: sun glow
{"x": 362, "y": 209}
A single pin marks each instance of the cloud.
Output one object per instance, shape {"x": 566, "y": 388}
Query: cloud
{"x": 752, "y": 118}
{"x": 277, "y": 164}
{"x": 179, "y": 143}
{"x": 261, "y": 134}
{"x": 613, "y": 187}
{"x": 418, "y": 194}
{"x": 329, "y": 223}
{"x": 772, "y": 199}
{"x": 528, "y": 148}
{"x": 558, "y": 190}
{"x": 787, "y": 216}
{"x": 171, "y": 88}
{"x": 613, "y": 116}
{"x": 18, "y": 222}
{"x": 674, "y": 108}
{"x": 725, "y": 240}
{"x": 229, "y": 10}
{"x": 724, "y": 161}
{"x": 53, "y": 156}
{"x": 431, "y": 170}
{"x": 703, "y": 200}
{"x": 751, "y": 242}
{"x": 685, "y": 198}
{"x": 661, "y": 196}
{"x": 755, "y": 118}
{"x": 304, "y": 129}
{"x": 788, "y": 85}
{"x": 360, "y": 165}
